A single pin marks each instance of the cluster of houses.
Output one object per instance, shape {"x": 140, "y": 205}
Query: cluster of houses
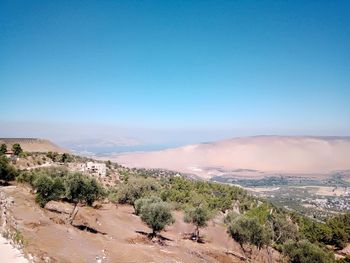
{"x": 333, "y": 203}
{"x": 99, "y": 169}
{"x": 93, "y": 168}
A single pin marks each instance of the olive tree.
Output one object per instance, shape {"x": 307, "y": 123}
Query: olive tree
{"x": 17, "y": 149}
{"x": 156, "y": 215}
{"x": 249, "y": 230}
{"x": 139, "y": 203}
{"x": 3, "y": 149}
{"x": 198, "y": 216}
{"x": 305, "y": 252}
{"x": 81, "y": 189}
{"x": 48, "y": 188}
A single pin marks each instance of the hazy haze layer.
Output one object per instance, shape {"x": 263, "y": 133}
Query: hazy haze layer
{"x": 281, "y": 154}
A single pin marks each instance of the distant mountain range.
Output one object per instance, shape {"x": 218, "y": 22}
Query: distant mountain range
{"x": 250, "y": 156}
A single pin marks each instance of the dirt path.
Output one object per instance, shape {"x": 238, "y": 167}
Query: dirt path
{"x": 9, "y": 254}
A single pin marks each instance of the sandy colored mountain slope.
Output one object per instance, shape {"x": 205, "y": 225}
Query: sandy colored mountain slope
{"x": 264, "y": 154}
{"x": 33, "y": 144}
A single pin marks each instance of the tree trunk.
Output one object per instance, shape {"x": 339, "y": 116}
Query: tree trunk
{"x": 243, "y": 249}
{"x": 269, "y": 254}
{"x": 153, "y": 234}
{"x": 72, "y": 214}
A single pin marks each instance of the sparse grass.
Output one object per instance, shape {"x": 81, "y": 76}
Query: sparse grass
{"x": 16, "y": 236}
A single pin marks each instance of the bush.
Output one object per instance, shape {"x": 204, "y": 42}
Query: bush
{"x": 249, "y": 230}
{"x": 340, "y": 227}
{"x": 136, "y": 188}
{"x": 190, "y": 192}
{"x": 7, "y": 171}
{"x": 26, "y": 177}
{"x": 315, "y": 231}
{"x": 30, "y": 176}
{"x": 66, "y": 158}
{"x": 156, "y": 215}
{"x": 305, "y": 252}
{"x": 283, "y": 229}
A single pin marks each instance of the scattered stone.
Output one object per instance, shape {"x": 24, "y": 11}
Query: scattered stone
{"x": 59, "y": 207}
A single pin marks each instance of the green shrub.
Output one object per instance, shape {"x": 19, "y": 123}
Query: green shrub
{"x": 283, "y": 229}
{"x": 340, "y": 228}
{"x": 315, "y": 231}
{"x": 136, "y": 188}
{"x": 7, "y": 171}
{"x": 305, "y": 252}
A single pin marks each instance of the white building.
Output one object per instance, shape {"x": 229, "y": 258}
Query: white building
{"x": 97, "y": 168}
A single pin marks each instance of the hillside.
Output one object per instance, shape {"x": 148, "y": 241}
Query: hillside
{"x": 128, "y": 213}
{"x": 250, "y": 157}
{"x": 120, "y": 236}
{"x": 33, "y": 144}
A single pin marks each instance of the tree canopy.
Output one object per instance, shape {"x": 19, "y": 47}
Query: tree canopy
{"x": 198, "y": 216}
{"x": 249, "y": 230}
{"x": 305, "y": 252}
{"x": 3, "y": 149}
{"x": 48, "y": 189}
{"x": 17, "y": 149}
{"x": 135, "y": 188}
{"x": 156, "y": 215}
{"x": 82, "y": 189}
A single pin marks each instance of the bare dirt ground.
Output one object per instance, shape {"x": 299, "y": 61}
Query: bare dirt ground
{"x": 46, "y": 234}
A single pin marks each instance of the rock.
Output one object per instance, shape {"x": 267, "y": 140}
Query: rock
{"x": 59, "y": 207}
{"x": 97, "y": 205}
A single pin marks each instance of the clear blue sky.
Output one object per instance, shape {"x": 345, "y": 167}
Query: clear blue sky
{"x": 213, "y": 67}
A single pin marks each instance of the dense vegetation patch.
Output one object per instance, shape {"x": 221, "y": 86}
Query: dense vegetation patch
{"x": 58, "y": 184}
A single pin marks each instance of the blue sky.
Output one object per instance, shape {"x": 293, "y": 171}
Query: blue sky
{"x": 180, "y": 70}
